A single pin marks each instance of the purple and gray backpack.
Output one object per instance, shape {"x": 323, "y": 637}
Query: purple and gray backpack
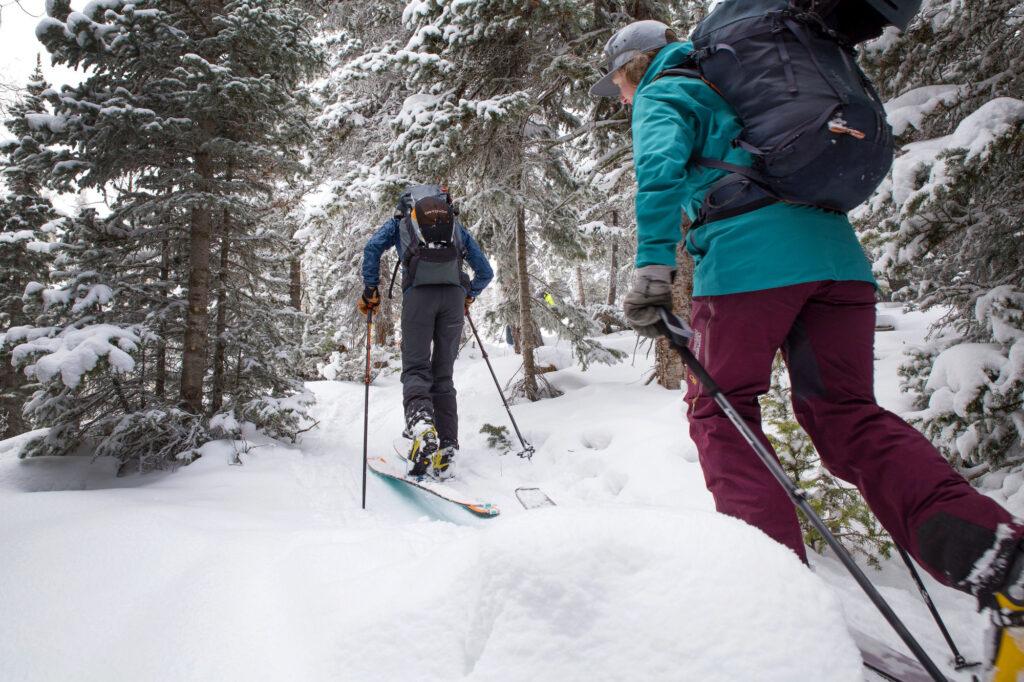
{"x": 811, "y": 120}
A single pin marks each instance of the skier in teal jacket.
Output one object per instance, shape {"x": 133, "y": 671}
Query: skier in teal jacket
{"x": 779, "y": 276}
{"x": 675, "y": 118}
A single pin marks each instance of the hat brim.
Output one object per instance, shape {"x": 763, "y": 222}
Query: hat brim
{"x": 605, "y": 87}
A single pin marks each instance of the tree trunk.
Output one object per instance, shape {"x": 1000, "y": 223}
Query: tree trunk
{"x": 527, "y": 342}
{"x": 11, "y": 399}
{"x": 668, "y": 365}
{"x": 295, "y": 285}
{"x": 143, "y": 394}
{"x": 197, "y": 319}
{"x": 219, "y": 342}
{"x": 613, "y": 272}
{"x": 383, "y": 323}
{"x": 160, "y": 371}
{"x": 11, "y": 379}
{"x": 384, "y": 319}
{"x": 579, "y": 286}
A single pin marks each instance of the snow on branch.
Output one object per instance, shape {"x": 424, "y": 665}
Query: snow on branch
{"x": 74, "y": 352}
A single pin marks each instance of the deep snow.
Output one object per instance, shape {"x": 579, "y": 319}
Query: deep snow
{"x": 270, "y": 570}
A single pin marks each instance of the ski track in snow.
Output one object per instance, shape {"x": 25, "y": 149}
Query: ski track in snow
{"x": 270, "y": 570}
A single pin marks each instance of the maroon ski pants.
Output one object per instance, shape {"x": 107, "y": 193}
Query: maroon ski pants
{"x": 826, "y": 333}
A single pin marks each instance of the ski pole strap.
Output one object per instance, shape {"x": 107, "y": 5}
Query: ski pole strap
{"x": 678, "y": 332}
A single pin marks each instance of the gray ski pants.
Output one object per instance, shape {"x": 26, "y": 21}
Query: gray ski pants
{"x": 432, "y": 319}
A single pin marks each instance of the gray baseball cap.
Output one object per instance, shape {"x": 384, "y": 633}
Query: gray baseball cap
{"x": 628, "y": 42}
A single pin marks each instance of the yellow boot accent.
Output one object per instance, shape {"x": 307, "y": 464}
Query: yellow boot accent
{"x": 418, "y": 443}
{"x": 418, "y": 455}
{"x": 1008, "y": 640}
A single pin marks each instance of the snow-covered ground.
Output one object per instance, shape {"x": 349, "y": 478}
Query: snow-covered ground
{"x": 269, "y": 570}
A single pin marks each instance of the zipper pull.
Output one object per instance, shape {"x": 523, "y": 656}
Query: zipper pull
{"x": 838, "y": 126}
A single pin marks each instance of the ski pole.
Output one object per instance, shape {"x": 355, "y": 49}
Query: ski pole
{"x": 366, "y": 402}
{"x": 959, "y": 662}
{"x": 678, "y": 334}
{"x": 527, "y": 451}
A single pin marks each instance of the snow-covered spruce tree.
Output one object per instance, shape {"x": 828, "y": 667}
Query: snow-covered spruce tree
{"x": 333, "y": 257}
{"x": 84, "y": 357}
{"x": 352, "y": 195}
{"x": 189, "y": 119}
{"x": 258, "y": 325}
{"x": 838, "y": 504}
{"x": 945, "y": 227}
{"x": 26, "y": 218}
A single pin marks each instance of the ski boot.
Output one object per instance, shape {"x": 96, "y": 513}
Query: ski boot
{"x": 442, "y": 464}
{"x": 424, "y": 442}
{"x": 1005, "y": 641}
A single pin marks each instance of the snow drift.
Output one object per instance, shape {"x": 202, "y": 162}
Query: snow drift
{"x": 181, "y": 578}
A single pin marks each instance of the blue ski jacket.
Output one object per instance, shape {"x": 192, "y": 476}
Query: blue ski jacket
{"x": 389, "y": 235}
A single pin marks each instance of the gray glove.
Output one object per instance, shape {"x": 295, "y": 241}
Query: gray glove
{"x": 652, "y": 289}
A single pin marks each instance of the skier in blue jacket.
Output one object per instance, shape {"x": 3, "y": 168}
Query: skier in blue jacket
{"x": 432, "y": 245}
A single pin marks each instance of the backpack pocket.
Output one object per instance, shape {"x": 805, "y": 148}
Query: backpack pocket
{"x": 804, "y": 143}
{"x": 835, "y": 164}
{"x": 435, "y": 266}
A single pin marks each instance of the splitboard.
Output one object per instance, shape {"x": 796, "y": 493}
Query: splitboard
{"x": 394, "y": 468}
{"x": 886, "y": 661}
{"x": 878, "y": 657}
{"x": 532, "y": 498}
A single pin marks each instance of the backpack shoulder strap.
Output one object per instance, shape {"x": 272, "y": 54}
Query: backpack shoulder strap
{"x": 680, "y": 71}
{"x": 688, "y": 69}
{"x": 457, "y": 242}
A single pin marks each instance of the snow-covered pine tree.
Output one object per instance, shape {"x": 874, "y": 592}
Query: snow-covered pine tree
{"x": 945, "y": 227}
{"x": 26, "y": 219}
{"x": 190, "y": 118}
{"x": 352, "y": 195}
{"x": 258, "y": 324}
{"x": 84, "y": 347}
{"x": 468, "y": 121}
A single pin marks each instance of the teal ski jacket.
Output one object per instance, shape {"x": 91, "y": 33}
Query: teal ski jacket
{"x": 676, "y": 119}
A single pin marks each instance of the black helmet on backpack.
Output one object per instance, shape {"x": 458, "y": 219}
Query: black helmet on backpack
{"x": 433, "y": 220}
{"x": 896, "y": 12}
{"x": 429, "y": 237}
{"x": 430, "y": 211}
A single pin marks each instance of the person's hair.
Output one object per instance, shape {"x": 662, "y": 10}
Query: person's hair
{"x": 636, "y": 67}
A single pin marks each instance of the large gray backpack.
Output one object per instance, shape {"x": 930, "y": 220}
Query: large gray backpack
{"x": 811, "y": 119}
{"x": 429, "y": 258}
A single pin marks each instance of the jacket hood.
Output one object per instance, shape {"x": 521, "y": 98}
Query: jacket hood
{"x": 670, "y": 56}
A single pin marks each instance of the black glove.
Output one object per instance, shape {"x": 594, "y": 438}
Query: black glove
{"x": 370, "y": 300}
{"x": 652, "y": 289}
